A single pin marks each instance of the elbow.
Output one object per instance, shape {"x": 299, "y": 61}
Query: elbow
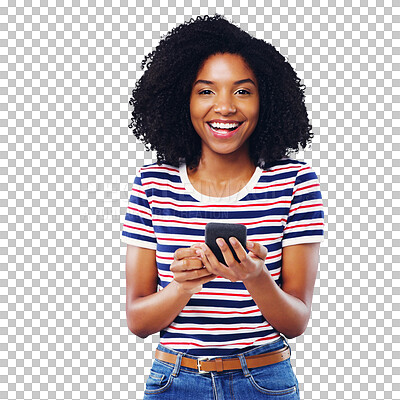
{"x": 293, "y": 333}
{"x": 296, "y": 329}
{"x": 135, "y": 325}
{"x": 137, "y": 331}
{"x": 298, "y": 325}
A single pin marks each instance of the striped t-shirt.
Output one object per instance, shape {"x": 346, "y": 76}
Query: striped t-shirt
{"x": 280, "y": 206}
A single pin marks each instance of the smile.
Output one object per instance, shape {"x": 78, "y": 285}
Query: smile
{"x": 224, "y": 130}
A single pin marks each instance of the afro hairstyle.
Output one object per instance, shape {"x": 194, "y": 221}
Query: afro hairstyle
{"x": 161, "y": 97}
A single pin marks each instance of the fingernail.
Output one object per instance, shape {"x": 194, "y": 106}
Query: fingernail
{"x": 198, "y": 252}
{"x": 203, "y": 246}
{"x": 220, "y": 242}
{"x": 250, "y": 245}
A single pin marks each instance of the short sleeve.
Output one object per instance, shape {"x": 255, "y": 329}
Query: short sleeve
{"x": 305, "y": 223}
{"x": 138, "y": 226}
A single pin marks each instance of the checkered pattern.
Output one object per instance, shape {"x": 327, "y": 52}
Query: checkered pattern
{"x": 68, "y": 161}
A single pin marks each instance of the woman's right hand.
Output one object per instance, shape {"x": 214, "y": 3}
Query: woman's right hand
{"x": 189, "y": 271}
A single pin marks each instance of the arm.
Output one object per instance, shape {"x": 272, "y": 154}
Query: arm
{"x": 149, "y": 311}
{"x": 288, "y": 308}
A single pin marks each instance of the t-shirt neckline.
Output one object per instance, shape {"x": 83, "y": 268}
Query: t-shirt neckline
{"x": 209, "y": 199}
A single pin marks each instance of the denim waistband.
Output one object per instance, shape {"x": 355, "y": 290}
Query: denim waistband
{"x": 277, "y": 344}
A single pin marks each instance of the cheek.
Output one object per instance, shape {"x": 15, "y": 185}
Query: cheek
{"x": 255, "y": 111}
{"x": 194, "y": 110}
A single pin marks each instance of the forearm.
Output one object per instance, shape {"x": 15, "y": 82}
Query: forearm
{"x": 150, "y": 314}
{"x": 286, "y": 313}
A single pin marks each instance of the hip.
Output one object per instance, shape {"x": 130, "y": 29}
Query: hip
{"x": 273, "y": 381}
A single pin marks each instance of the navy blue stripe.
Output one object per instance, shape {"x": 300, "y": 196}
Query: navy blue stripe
{"x": 316, "y": 232}
{"x": 257, "y": 319}
{"x": 217, "y": 337}
{"x": 139, "y": 237}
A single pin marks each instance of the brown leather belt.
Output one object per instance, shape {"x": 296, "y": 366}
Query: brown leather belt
{"x": 221, "y": 364}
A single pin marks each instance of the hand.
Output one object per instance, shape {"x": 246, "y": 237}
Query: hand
{"x": 189, "y": 271}
{"x": 251, "y": 264}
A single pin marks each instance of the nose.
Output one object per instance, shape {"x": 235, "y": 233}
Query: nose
{"x": 224, "y": 105}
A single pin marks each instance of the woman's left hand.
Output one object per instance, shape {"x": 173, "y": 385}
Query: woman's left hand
{"x": 251, "y": 264}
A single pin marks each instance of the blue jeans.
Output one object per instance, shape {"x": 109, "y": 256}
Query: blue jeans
{"x": 175, "y": 382}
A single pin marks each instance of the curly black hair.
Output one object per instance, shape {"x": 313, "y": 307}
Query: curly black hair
{"x": 161, "y": 97}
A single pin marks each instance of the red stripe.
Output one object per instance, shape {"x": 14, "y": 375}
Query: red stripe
{"x": 138, "y": 190}
{"x": 219, "y": 312}
{"x": 200, "y": 224}
{"x": 277, "y": 184}
{"x": 216, "y": 345}
{"x": 218, "y": 205}
{"x": 164, "y": 276}
{"x": 269, "y": 338}
{"x": 203, "y": 224}
{"x": 192, "y": 241}
{"x": 304, "y": 225}
{"x": 216, "y": 329}
{"x": 225, "y": 294}
{"x": 305, "y": 187}
{"x": 281, "y": 169}
{"x": 267, "y": 221}
{"x": 139, "y": 211}
{"x": 306, "y": 206}
{"x": 158, "y": 168}
{"x": 275, "y": 256}
{"x": 139, "y": 229}
{"x": 162, "y": 184}
{"x": 165, "y": 258}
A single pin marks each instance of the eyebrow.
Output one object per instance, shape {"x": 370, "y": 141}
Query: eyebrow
{"x": 235, "y": 83}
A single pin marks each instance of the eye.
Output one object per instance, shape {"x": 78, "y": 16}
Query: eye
{"x": 205, "y": 91}
{"x": 244, "y": 91}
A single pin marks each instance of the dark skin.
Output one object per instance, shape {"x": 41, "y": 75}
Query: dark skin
{"x": 225, "y": 167}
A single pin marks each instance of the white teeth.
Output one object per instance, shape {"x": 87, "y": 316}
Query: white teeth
{"x": 219, "y": 125}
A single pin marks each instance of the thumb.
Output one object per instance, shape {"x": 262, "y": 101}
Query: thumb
{"x": 257, "y": 249}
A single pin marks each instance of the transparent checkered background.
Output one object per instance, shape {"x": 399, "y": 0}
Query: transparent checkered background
{"x": 68, "y": 161}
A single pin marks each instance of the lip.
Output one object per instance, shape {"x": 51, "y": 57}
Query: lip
{"x": 226, "y": 121}
{"x": 223, "y": 135}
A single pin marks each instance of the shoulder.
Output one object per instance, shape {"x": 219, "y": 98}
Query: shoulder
{"x": 286, "y": 166}
{"x": 286, "y": 170}
{"x": 153, "y": 176}
{"x": 155, "y": 170}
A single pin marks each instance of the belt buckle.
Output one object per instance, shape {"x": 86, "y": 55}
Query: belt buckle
{"x": 199, "y": 366}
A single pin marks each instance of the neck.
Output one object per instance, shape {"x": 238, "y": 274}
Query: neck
{"x": 223, "y": 168}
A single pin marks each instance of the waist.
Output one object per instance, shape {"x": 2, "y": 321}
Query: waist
{"x": 266, "y": 354}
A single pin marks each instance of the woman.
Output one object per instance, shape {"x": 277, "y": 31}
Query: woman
{"x": 222, "y": 109}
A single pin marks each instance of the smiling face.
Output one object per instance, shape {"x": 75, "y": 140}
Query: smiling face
{"x": 224, "y": 103}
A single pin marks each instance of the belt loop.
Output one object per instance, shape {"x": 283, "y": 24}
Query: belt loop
{"x": 177, "y": 367}
{"x": 243, "y": 363}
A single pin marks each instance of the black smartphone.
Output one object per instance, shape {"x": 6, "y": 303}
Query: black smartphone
{"x": 215, "y": 230}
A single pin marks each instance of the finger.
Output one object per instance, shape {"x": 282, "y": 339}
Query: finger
{"x": 226, "y": 252}
{"x": 187, "y": 264}
{"x": 182, "y": 276}
{"x": 184, "y": 252}
{"x": 214, "y": 266}
{"x": 257, "y": 249}
{"x": 238, "y": 268}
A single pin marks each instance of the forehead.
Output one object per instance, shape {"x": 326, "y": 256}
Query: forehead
{"x": 225, "y": 65}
